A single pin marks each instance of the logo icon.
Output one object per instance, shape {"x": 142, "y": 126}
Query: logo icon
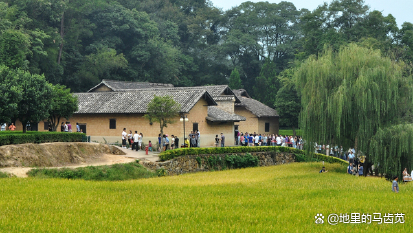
{"x": 319, "y": 218}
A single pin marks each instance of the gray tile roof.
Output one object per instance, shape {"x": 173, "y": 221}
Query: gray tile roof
{"x": 256, "y": 107}
{"x": 121, "y": 86}
{"x": 223, "y": 98}
{"x": 136, "y": 101}
{"x": 116, "y": 85}
{"x": 241, "y": 92}
{"x": 217, "y": 114}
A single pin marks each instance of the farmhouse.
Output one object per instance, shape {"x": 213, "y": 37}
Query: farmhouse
{"x": 259, "y": 117}
{"x": 111, "y": 106}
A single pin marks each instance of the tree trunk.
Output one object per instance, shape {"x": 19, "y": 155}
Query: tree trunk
{"x": 24, "y": 127}
{"x": 61, "y": 37}
{"x": 57, "y": 124}
{"x": 54, "y": 122}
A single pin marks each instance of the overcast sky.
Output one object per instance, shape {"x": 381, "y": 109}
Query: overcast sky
{"x": 401, "y": 9}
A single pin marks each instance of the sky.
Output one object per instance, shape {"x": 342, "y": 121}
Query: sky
{"x": 400, "y": 9}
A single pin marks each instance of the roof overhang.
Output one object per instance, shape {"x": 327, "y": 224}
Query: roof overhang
{"x": 228, "y": 91}
{"x": 103, "y": 83}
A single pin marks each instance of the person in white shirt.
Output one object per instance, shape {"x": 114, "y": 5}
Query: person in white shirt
{"x": 172, "y": 142}
{"x": 124, "y": 136}
{"x": 140, "y": 140}
{"x": 278, "y": 140}
{"x": 130, "y": 137}
{"x": 257, "y": 139}
{"x": 198, "y": 141}
{"x": 351, "y": 157}
{"x": 135, "y": 144}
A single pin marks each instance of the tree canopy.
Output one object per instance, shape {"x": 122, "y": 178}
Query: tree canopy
{"x": 354, "y": 92}
{"x": 235, "y": 80}
{"x": 162, "y": 109}
{"x": 63, "y": 105}
{"x": 78, "y": 43}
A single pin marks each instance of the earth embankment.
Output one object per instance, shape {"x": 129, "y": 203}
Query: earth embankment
{"x": 54, "y": 154}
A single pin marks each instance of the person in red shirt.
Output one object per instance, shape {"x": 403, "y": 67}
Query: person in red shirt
{"x": 12, "y": 127}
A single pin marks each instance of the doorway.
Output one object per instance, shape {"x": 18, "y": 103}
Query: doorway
{"x": 82, "y": 127}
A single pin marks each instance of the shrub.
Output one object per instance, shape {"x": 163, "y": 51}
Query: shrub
{"x": 199, "y": 160}
{"x": 161, "y": 172}
{"x": 8, "y": 138}
{"x": 170, "y": 154}
{"x": 5, "y": 175}
{"x": 300, "y": 158}
{"x": 300, "y": 155}
{"x": 239, "y": 161}
{"x": 114, "y": 172}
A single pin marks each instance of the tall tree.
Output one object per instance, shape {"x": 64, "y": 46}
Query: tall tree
{"x": 11, "y": 94}
{"x": 36, "y": 93}
{"x": 259, "y": 31}
{"x": 162, "y": 109}
{"x": 63, "y": 105}
{"x": 234, "y": 80}
{"x": 406, "y": 39}
{"x": 346, "y": 14}
{"x": 351, "y": 96}
{"x": 267, "y": 84}
{"x": 287, "y": 102}
{"x": 14, "y": 49}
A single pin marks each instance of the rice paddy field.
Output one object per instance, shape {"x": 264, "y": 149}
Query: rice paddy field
{"x": 284, "y": 198}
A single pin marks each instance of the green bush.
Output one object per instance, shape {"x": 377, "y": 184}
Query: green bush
{"x": 114, "y": 172}
{"x": 302, "y": 157}
{"x": 17, "y": 137}
{"x": 5, "y": 175}
{"x": 238, "y": 161}
{"x": 170, "y": 154}
{"x": 161, "y": 172}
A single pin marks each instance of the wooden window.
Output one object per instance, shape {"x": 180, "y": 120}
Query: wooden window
{"x": 195, "y": 126}
{"x": 267, "y": 127}
{"x": 112, "y": 123}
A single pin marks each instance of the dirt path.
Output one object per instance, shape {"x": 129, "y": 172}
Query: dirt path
{"x": 152, "y": 156}
{"x": 106, "y": 159}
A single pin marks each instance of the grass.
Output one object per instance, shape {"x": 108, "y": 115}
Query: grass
{"x": 289, "y": 132}
{"x": 282, "y": 198}
{"x": 4, "y": 175}
{"x": 125, "y": 171}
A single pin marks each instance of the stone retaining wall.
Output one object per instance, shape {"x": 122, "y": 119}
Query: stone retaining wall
{"x": 189, "y": 163}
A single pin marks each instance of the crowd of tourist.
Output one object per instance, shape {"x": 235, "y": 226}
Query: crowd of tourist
{"x": 166, "y": 142}
{"x": 67, "y": 127}
{"x": 254, "y": 139}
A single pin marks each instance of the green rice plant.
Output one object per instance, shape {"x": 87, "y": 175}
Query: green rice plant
{"x": 284, "y": 198}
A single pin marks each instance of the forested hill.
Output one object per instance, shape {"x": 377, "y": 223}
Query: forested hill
{"x": 185, "y": 42}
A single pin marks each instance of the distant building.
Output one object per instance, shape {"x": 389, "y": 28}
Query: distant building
{"x": 111, "y": 106}
{"x": 259, "y": 117}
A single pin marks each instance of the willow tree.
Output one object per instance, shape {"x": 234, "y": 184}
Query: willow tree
{"x": 351, "y": 97}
